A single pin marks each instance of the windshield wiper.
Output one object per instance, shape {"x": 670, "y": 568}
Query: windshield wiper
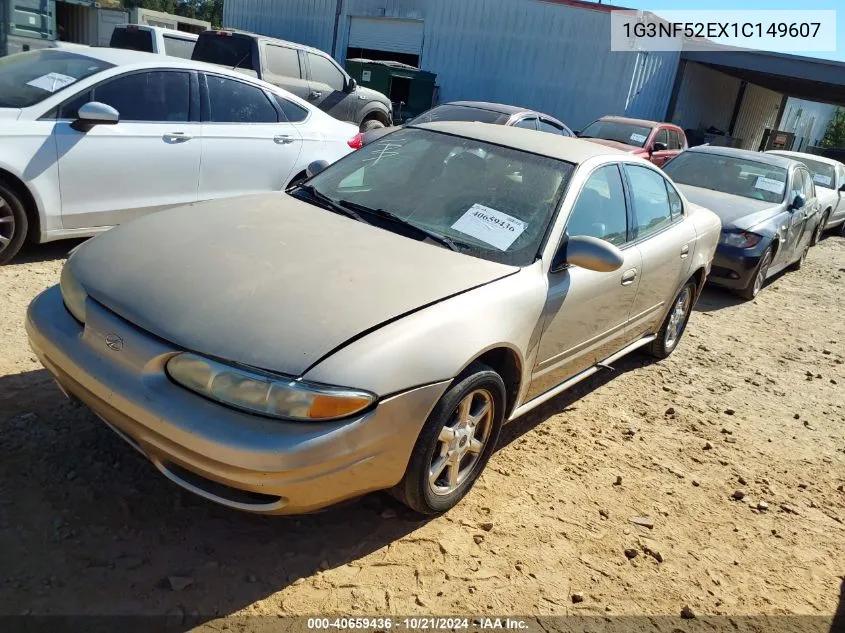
{"x": 329, "y": 203}
{"x": 443, "y": 240}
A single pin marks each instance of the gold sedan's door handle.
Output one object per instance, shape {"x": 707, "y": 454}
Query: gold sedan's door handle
{"x": 628, "y": 277}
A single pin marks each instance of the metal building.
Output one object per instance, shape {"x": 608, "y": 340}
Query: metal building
{"x": 552, "y": 56}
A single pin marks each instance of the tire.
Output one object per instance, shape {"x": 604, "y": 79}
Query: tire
{"x": 841, "y": 230}
{"x": 798, "y": 264}
{"x": 480, "y": 386}
{"x": 14, "y": 224}
{"x": 674, "y": 324}
{"x": 753, "y": 289}
{"x": 371, "y": 124}
{"x": 817, "y": 234}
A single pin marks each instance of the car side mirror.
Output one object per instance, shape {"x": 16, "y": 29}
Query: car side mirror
{"x": 842, "y": 188}
{"x": 95, "y": 113}
{"x": 588, "y": 252}
{"x": 798, "y": 202}
{"x": 351, "y": 85}
{"x": 576, "y": 132}
{"x": 657, "y": 146}
{"x": 316, "y": 167}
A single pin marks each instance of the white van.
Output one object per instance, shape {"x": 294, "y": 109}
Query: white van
{"x": 154, "y": 39}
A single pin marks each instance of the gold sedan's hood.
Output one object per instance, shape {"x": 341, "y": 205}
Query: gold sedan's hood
{"x": 269, "y": 280}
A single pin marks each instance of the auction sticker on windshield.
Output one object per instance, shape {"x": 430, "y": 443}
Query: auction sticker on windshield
{"x": 51, "y": 81}
{"x": 767, "y": 184}
{"x": 638, "y": 138}
{"x": 822, "y": 180}
{"x": 490, "y": 226}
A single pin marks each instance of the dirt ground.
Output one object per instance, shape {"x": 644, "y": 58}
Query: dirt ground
{"x": 752, "y": 400}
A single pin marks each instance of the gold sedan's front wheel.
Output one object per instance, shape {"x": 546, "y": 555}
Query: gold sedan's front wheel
{"x": 455, "y": 442}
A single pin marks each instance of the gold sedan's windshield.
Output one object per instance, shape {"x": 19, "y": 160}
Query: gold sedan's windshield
{"x": 486, "y": 200}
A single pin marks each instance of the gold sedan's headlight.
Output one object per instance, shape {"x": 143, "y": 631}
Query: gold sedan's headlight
{"x": 73, "y": 293}
{"x": 273, "y": 396}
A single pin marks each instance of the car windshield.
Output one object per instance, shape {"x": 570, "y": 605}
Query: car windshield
{"x": 627, "y": 133}
{"x": 488, "y": 201}
{"x": 449, "y": 112}
{"x": 730, "y": 174}
{"x": 824, "y": 175}
{"x": 29, "y": 78}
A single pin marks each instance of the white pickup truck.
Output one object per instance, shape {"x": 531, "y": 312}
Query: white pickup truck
{"x": 154, "y": 39}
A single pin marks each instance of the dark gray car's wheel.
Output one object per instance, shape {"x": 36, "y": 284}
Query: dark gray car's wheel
{"x": 759, "y": 278}
{"x": 455, "y": 442}
{"x": 13, "y": 224}
{"x": 371, "y": 124}
{"x": 817, "y": 235}
{"x": 798, "y": 264}
{"x": 674, "y": 324}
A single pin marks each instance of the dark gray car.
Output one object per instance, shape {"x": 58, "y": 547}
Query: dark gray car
{"x": 307, "y": 72}
{"x": 481, "y": 111}
{"x": 767, "y": 204}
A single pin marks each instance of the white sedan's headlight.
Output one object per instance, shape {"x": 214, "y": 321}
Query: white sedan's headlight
{"x": 264, "y": 394}
{"x": 73, "y": 293}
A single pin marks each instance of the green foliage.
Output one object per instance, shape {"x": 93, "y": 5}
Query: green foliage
{"x": 834, "y": 136}
{"x": 210, "y": 10}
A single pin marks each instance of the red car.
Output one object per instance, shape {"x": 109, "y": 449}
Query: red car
{"x": 654, "y": 141}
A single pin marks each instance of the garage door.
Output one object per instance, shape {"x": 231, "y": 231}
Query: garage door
{"x": 395, "y": 36}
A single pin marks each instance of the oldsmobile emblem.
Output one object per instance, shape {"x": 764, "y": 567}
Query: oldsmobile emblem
{"x": 114, "y": 342}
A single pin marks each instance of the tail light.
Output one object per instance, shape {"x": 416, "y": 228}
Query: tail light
{"x": 224, "y": 34}
{"x": 356, "y": 142}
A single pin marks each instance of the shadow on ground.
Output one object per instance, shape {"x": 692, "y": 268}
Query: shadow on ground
{"x": 713, "y": 299}
{"x": 88, "y": 525}
{"x": 33, "y": 253}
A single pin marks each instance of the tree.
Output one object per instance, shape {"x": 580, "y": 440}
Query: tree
{"x": 834, "y": 136}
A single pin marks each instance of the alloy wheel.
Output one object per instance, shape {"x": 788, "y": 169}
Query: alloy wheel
{"x": 760, "y": 278}
{"x": 819, "y": 231}
{"x": 7, "y": 224}
{"x": 461, "y": 442}
{"x": 678, "y": 318}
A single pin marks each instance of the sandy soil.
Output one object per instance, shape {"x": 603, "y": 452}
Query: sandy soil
{"x": 752, "y": 400}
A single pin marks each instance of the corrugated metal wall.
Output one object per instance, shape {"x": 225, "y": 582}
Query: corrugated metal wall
{"x": 309, "y": 22}
{"x": 706, "y": 98}
{"x": 759, "y": 110}
{"x": 550, "y": 57}
{"x": 79, "y": 23}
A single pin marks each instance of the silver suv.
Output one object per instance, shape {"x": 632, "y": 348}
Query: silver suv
{"x": 307, "y": 72}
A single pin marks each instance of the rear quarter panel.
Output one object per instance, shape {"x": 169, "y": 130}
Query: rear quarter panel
{"x": 708, "y": 228}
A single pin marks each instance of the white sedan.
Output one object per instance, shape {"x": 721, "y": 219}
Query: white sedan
{"x": 829, "y": 180}
{"x": 93, "y": 137}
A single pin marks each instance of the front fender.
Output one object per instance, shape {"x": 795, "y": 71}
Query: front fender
{"x": 438, "y": 342}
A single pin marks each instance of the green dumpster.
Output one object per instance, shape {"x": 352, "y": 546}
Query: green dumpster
{"x": 410, "y": 89}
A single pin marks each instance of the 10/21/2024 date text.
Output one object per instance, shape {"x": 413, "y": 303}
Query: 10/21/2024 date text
{"x": 416, "y": 623}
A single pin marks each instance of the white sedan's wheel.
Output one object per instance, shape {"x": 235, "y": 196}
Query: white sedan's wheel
{"x": 13, "y": 224}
